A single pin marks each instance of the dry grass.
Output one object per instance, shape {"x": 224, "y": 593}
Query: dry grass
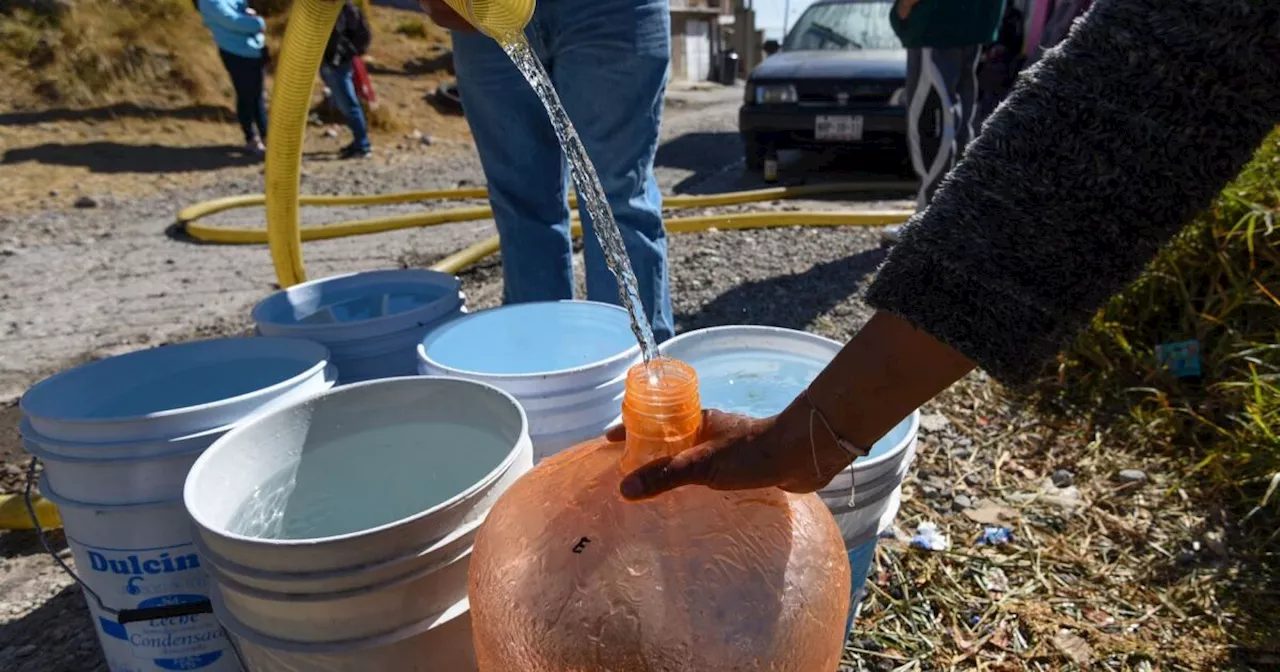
{"x": 153, "y": 52}
{"x": 1177, "y": 572}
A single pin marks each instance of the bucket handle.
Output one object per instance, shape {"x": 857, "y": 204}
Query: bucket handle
{"x": 122, "y": 616}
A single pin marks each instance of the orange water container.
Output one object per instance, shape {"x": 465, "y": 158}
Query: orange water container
{"x": 566, "y": 576}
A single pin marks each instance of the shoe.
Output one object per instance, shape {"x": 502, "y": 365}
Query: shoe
{"x": 353, "y": 151}
{"x": 892, "y": 235}
{"x": 256, "y": 148}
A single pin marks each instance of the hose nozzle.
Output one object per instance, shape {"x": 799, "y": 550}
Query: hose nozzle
{"x": 503, "y": 20}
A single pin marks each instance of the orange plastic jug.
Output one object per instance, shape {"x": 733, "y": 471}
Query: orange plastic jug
{"x": 566, "y": 576}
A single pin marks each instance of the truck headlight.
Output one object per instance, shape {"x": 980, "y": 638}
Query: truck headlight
{"x": 775, "y": 93}
{"x": 899, "y": 97}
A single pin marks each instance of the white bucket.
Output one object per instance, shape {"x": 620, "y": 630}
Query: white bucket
{"x": 365, "y": 611}
{"x": 565, "y": 361}
{"x": 370, "y": 321}
{"x": 346, "y": 578}
{"x": 172, "y": 391}
{"x": 758, "y": 371}
{"x": 389, "y": 480}
{"x": 123, "y": 450}
{"x": 137, "y": 557}
{"x": 439, "y": 644}
{"x": 119, "y": 481}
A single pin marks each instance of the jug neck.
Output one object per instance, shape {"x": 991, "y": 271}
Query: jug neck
{"x": 661, "y": 409}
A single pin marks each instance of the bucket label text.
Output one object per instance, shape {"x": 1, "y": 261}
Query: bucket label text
{"x": 149, "y": 578}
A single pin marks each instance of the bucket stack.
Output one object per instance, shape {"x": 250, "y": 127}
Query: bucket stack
{"x": 566, "y": 362}
{"x": 338, "y": 530}
{"x": 758, "y": 371}
{"x": 370, "y": 321}
{"x": 117, "y": 437}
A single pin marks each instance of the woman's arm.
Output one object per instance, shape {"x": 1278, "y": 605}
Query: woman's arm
{"x": 223, "y": 14}
{"x": 1103, "y": 151}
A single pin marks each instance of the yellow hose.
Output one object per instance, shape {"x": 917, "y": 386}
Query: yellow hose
{"x": 310, "y": 23}
{"x": 189, "y": 217}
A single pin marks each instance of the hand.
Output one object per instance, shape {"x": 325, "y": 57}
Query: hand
{"x": 905, "y": 7}
{"x": 741, "y": 453}
{"x": 443, "y": 15}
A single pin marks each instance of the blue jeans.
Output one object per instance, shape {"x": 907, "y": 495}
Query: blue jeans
{"x": 342, "y": 86}
{"x": 608, "y": 61}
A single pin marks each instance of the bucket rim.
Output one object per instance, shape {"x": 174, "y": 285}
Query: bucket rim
{"x": 46, "y": 455}
{"x": 758, "y": 328}
{"x": 859, "y": 464}
{"x": 423, "y": 358}
{"x": 424, "y": 276}
{"x": 522, "y": 442}
{"x": 232, "y": 568}
{"x": 224, "y": 579}
{"x": 320, "y": 362}
{"x": 62, "y": 501}
{"x": 29, "y": 433}
{"x": 239, "y": 629}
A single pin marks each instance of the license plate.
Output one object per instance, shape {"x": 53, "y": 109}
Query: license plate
{"x": 846, "y": 128}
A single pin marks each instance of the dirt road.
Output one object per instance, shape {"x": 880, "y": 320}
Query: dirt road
{"x": 90, "y": 282}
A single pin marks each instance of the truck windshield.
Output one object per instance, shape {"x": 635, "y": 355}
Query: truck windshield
{"x": 843, "y": 26}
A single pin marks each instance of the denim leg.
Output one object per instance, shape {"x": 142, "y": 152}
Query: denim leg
{"x": 524, "y": 167}
{"x": 341, "y": 83}
{"x": 610, "y": 61}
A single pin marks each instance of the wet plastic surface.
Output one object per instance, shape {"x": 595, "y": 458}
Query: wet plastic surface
{"x": 567, "y": 576}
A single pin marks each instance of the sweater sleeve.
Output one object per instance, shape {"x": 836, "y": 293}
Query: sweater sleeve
{"x": 221, "y": 12}
{"x": 1105, "y": 150}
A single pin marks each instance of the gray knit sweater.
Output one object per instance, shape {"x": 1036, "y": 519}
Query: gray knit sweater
{"x": 1106, "y": 149}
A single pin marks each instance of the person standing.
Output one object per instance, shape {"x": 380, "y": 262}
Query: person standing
{"x": 944, "y": 40}
{"x": 608, "y": 60}
{"x": 239, "y": 33}
{"x": 350, "y": 38}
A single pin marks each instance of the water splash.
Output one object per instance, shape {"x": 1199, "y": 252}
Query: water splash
{"x": 590, "y": 192}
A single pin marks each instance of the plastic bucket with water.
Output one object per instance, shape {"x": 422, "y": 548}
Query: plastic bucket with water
{"x": 117, "y": 437}
{"x": 565, "y": 361}
{"x": 758, "y": 371}
{"x": 440, "y": 644}
{"x": 173, "y": 390}
{"x": 370, "y": 321}
{"x": 349, "y": 517}
{"x": 139, "y": 561}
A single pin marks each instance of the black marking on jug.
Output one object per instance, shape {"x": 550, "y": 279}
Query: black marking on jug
{"x": 581, "y": 545}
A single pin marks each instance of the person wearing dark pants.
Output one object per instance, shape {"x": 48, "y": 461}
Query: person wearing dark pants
{"x": 248, "y": 79}
{"x": 238, "y": 32}
{"x": 944, "y": 40}
{"x": 350, "y": 37}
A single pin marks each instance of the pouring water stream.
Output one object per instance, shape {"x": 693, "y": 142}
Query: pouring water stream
{"x": 589, "y": 190}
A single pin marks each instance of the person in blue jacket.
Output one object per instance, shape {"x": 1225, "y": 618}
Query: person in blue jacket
{"x": 239, "y": 33}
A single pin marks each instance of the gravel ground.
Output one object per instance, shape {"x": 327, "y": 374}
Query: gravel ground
{"x": 77, "y": 285}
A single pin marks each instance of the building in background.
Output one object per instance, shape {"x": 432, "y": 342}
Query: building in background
{"x": 703, "y": 30}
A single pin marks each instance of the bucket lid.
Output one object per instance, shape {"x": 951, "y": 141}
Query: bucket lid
{"x": 532, "y": 339}
{"x": 362, "y": 305}
{"x": 172, "y": 390}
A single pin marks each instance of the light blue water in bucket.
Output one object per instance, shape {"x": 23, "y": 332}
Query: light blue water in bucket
{"x": 529, "y": 338}
{"x": 761, "y": 383}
